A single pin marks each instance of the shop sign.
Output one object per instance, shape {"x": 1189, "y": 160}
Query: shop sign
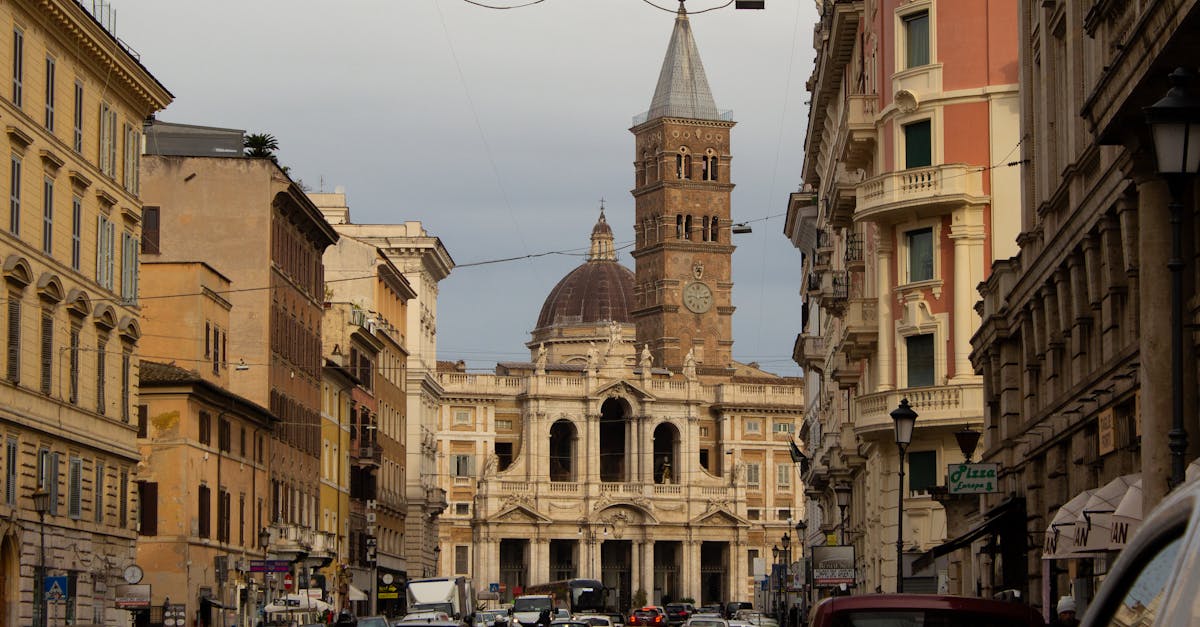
{"x": 833, "y": 565}
{"x": 133, "y": 596}
{"x": 972, "y": 478}
{"x": 1106, "y": 431}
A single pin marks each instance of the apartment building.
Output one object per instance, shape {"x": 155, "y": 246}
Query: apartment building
{"x": 73, "y": 114}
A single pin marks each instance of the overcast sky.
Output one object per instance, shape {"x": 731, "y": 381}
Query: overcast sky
{"x": 500, "y": 130}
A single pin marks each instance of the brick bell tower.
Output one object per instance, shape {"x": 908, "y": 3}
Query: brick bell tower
{"x": 683, "y": 251}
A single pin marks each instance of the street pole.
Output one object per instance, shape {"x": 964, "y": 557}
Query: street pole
{"x": 900, "y": 526}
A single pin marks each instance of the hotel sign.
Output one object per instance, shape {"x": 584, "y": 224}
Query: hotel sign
{"x": 972, "y": 478}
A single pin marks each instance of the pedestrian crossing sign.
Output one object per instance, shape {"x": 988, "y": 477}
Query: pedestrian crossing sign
{"x": 56, "y": 588}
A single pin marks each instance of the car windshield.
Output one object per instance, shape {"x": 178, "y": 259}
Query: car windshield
{"x": 923, "y": 618}
{"x": 525, "y": 604}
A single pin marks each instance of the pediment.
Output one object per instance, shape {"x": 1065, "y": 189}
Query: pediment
{"x": 517, "y": 513}
{"x": 719, "y": 517}
{"x": 623, "y": 389}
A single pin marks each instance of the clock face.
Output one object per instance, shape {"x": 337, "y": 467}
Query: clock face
{"x": 697, "y": 297}
{"x": 133, "y": 573}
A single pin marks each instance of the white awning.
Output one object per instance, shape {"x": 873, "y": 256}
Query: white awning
{"x": 355, "y": 594}
{"x": 1060, "y": 534}
{"x": 1128, "y": 517}
{"x": 1093, "y": 525}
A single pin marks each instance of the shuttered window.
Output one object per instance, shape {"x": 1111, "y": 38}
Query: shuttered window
{"x": 73, "y": 355}
{"x": 48, "y": 216}
{"x": 76, "y": 232}
{"x": 123, "y": 504}
{"x": 52, "y": 481}
{"x": 106, "y": 234}
{"x": 98, "y": 494}
{"x": 223, "y": 515}
{"x": 18, "y": 66}
{"x": 13, "y": 365}
{"x": 920, "y": 360}
{"x": 203, "y": 513}
{"x": 205, "y": 435}
{"x": 101, "y": 376}
{"x": 148, "y": 508}
{"x": 10, "y": 473}
{"x": 126, "y": 384}
{"x": 922, "y": 471}
{"x": 47, "y": 361}
{"x": 918, "y": 147}
{"x": 142, "y": 424}
{"x": 74, "y": 488}
{"x": 150, "y": 230}
{"x": 14, "y": 196}
{"x": 78, "y": 136}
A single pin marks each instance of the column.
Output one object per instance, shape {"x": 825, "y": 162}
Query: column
{"x": 592, "y": 459}
{"x": 539, "y": 571}
{"x": 884, "y": 362}
{"x": 1154, "y": 284}
{"x": 737, "y": 571}
{"x": 691, "y": 570}
{"x": 967, "y": 232}
{"x": 647, "y": 567}
{"x": 635, "y": 570}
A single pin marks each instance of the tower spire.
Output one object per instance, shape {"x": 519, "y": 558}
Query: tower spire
{"x": 682, "y": 90}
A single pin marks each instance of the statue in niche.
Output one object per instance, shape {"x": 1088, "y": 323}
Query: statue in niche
{"x": 646, "y": 360}
{"x": 689, "y": 364}
{"x": 591, "y": 356}
{"x": 614, "y": 335}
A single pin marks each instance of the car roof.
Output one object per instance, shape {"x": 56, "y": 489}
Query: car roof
{"x": 922, "y": 601}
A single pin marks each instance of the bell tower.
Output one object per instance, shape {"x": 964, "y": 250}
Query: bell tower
{"x": 683, "y": 251}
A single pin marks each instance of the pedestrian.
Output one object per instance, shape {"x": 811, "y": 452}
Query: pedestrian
{"x": 1066, "y": 613}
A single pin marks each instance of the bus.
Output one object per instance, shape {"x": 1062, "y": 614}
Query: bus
{"x": 580, "y": 595}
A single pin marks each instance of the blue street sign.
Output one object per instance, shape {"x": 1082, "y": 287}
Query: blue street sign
{"x": 493, "y": 587}
{"x": 56, "y": 588}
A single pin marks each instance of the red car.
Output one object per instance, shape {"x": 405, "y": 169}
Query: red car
{"x": 922, "y": 610}
{"x": 649, "y": 616}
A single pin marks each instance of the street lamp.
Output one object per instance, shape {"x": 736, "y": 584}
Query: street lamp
{"x": 967, "y": 440}
{"x": 41, "y": 505}
{"x": 264, "y": 539}
{"x": 841, "y": 492}
{"x": 801, "y": 538}
{"x": 905, "y": 418}
{"x": 1175, "y": 127}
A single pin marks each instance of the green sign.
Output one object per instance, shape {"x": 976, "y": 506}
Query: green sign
{"x": 972, "y": 478}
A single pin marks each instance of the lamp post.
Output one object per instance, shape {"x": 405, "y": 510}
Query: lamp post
{"x": 1175, "y": 127}
{"x": 801, "y": 538}
{"x": 841, "y": 492}
{"x": 41, "y": 505}
{"x": 264, "y": 539}
{"x": 905, "y": 418}
{"x": 782, "y": 562}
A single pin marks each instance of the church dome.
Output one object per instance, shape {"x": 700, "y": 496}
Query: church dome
{"x": 599, "y": 290}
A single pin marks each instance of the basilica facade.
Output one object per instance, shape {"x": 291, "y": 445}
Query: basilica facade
{"x": 631, "y": 448}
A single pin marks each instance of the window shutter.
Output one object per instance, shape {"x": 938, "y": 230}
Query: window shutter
{"x": 47, "y": 350}
{"x": 98, "y": 489}
{"x": 143, "y": 419}
{"x": 54, "y": 483}
{"x": 10, "y": 479}
{"x": 918, "y": 149}
{"x": 148, "y": 508}
{"x": 123, "y": 504}
{"x": 14, "y": 338}
{"x": 202, "y": 512}
{"x": 74, "y": 487}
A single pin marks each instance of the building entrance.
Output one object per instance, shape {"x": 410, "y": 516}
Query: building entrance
{"x": 616, "y": 572}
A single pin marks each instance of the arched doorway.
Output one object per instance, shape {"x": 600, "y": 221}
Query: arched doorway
{"x": 563, "y": 440}
{"x": 10, "y": 581}
{"x": 614, "y": 440}
{"x": 666, "y": 454}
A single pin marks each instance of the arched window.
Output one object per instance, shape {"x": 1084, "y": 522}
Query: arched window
{"x": 713, "y": 229}
{"x": 562, "y": 451}
{"x": 713, "y": 174}
{"x": 687, "y": 165}
{"x": 678, "y": 226}
{"x": 687, "y": 227}
{"x": 679, "y": 166}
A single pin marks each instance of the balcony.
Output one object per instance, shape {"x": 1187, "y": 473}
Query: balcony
{"x": 845, "y": 370}
{"x": 810, "y": 352}
{"x": 949, "y": 406}
{"x": 854, "y": 251}
{"x": 861, "y": 133}
{"x": 369, "y": 456}
{"x": 860, "y": 327}
{"x": 919, "y": 192}
{"x": 834, "y": 292}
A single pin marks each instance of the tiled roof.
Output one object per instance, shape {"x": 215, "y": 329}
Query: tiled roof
{"x": 155, "y": 372}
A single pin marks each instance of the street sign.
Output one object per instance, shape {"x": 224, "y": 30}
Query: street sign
{"x": 493, "y": 587}
{"x": 133, "y": 596}
{"x": 972, "y": 478}
{"x": 287, "y": 581}
{"x": 56, "y": 589}
{"x": 833, "y": 565}
{"x": 270, "y": 566}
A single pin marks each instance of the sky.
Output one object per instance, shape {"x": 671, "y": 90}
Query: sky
{"x": 499, "y": 130}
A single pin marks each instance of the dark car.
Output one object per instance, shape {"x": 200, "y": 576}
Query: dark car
{"x": 732, "y": 607}
{"x": 647, "y": 616}
{"x": 922, "y": 610}
{"x": 678, "y": 613}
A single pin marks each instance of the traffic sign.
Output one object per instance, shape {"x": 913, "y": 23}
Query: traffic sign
{"x": 287, "y": 581}
{"x": 56, "y": 588}
{"x": 493, "y": 587}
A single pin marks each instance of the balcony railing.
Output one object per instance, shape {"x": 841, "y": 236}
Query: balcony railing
{"x": 945, "y": 405}
{"x": 840, "y": 285}
{"x": 854, "y": 249}
{"x": 928, "y": 191}
{"x": 371, "y": 455}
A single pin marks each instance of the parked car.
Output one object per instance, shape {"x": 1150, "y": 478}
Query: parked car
{"x": 754, "y": 617}
{"x": 649, "y": 615}
{"x": 732, "y": 607}
{"x": 706, "y": 620}
{"x": 567, "y": 622}
{"x": 595, "y": 620}
{"x": 678, "y": 613}
{"x": 373, "y": 621}
{"x": 922, "y": 610}
{"x": 617, "y": 618}
{"x": 715, "y": 609}
{"x": 491, "y": 618}
{"x": 1156, "y": 578}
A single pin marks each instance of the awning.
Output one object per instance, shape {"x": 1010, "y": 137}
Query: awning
{"x": 355, "y": 594}
{"x": 1093, "y": 525}
{"x": 1128, "y": 517}
{"x": 1060, "y": 534}
{"x": 993, "y": 521}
